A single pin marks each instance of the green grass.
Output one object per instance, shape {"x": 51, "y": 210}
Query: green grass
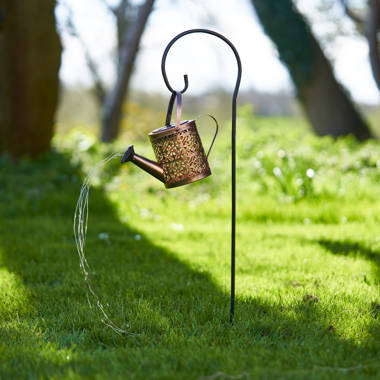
{"x": 308, "y": 263}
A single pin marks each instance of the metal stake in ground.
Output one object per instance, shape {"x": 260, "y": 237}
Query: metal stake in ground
{"x": 233, "y": 138}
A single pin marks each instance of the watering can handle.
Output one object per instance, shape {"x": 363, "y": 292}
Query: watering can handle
{"x": 179, "y": 109}
{"x": 178, "y": 96}
{"x": 175, "y": 96}
{"x": 216, "y": 131}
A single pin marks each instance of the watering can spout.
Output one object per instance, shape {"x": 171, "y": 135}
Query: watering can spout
{"x": 151, "y": 167}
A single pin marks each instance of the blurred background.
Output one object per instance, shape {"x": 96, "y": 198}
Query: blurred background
{"x": 95, "y": 65}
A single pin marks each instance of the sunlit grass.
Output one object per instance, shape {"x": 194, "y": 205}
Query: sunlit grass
{"x": 308, "y": 263}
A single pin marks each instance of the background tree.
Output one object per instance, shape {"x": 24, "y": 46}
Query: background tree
{"x": 368, "y": 24}
{"x": 130, "y": 24}
{"x": 30, "y": 55}
{"x": 326, "y": 103}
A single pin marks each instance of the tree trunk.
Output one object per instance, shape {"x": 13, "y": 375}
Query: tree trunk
{"x": 114, "y": 101}
{"x": 326, "y": 103}
{"x": 30, "y": 52}
{"x": 373, "y": 27}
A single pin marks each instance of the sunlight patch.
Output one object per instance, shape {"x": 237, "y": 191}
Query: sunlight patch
{"x": 13, "y": 297}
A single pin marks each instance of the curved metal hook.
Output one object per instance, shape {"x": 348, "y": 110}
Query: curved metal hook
{"x": 233, "y": 138}
{"x": 186, "y": 80}
{"x": 185, "y": 77}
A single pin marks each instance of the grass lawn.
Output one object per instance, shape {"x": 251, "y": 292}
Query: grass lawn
{"x": 308, "y": 263}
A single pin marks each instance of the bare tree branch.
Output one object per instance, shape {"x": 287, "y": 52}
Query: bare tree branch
{"x": 122, "y": 14}
{"x": 123, "y": 20}
{"x": 99, "y": 88}
{"x": 112, "y": 9}
{"x": 357, "y": 19}
{"x": 373, "y": 25}
{"x": 369, "y": 27}
{"x": 114, "y": 101}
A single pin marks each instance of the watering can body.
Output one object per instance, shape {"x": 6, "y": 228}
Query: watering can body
{"x": 180, "y": 156}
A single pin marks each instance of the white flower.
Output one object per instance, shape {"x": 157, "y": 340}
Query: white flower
{"x": 104, "y": 236}
{"x": 257, "y": 164}
{"x": 144, "y": 212}
{"x": 177, "y": 227}
{"x": 137, "y": 237}
{"x": 310, "y": 173}
{"x": 281, "y": 153}
{"x": 277, "y": 171}
{"x": 85, "y": 144}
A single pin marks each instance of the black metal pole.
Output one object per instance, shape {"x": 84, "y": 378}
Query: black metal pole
{"x": 233, "y": 139}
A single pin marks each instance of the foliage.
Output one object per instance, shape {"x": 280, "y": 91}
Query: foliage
{"x": 308, "y": 262}
{"x": 137, "y": 121}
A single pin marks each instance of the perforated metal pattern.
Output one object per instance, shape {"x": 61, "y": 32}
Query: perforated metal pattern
{"x": 180, "y": 153}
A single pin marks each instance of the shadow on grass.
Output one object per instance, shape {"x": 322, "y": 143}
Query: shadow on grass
{"x": 178, "y": 315}
{"x": 356, "y": 249}
{"x": 351, "y": 248}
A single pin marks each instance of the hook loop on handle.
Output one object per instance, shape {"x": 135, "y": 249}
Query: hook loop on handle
{"x": 179, "y": 109}
{"x": 176, "y": 95}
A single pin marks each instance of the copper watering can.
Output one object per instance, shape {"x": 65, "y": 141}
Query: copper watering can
{"x": 180, "y": 156}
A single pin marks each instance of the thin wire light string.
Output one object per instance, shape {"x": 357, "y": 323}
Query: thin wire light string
{"x": 80, "y": 233}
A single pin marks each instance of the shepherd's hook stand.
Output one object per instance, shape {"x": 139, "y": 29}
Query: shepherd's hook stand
{"x": 233, "y": 138}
